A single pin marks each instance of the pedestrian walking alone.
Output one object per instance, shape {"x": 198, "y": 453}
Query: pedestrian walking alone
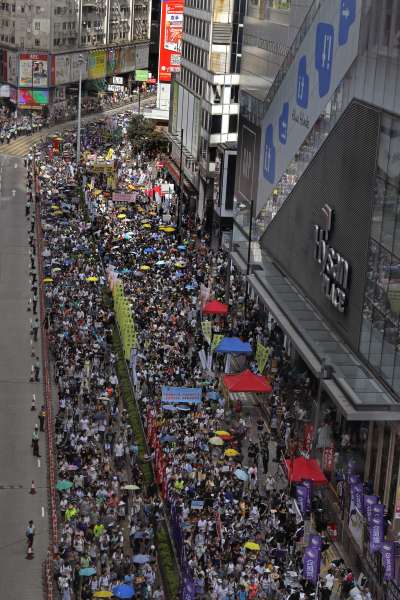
{"x": 30, "y": 533}
{"x": 37, "y": 369}
{"x": 35, "y": 442}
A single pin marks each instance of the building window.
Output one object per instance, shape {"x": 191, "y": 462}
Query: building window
{"x": 216, "y": 121}
{"x": 280, "y": 4}
{"x": 212, "y": 155}
{"x": 37, "y": 42}
{"x": 37, "y": 26}
{"x": 233, "y": 123}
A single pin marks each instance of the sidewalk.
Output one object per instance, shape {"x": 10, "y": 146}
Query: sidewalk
{"x": 19, "y": 577}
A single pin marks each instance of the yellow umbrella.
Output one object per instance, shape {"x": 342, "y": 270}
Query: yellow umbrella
{"x": 57, "y": 213}
{"x": 56, "y": 269}
{"x": 97, "y": 192}
{"x": 222, "y": 432}
{"x": 47, "y": 280}
{"x": 169, "y": 229}
{"x": 231, "y": 452}
{"x": 145, "y": 268}
{"x": 92, "y": 278}
{"x": 146, "y": 225}
{"x": 121, "y": 216}
{"x": 55, "y": 206}
{"x": 180, "y": 265}
{"x": 252, "y": 546}
{"x": 140, "y": 209}
{"x": 102, "y": 594}
{"x": 216, "y": 441}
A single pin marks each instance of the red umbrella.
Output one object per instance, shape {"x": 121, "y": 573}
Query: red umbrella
{"x": 215, "y": 308}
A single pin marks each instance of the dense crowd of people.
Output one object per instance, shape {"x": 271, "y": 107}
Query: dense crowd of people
{"x": 241, "y": 531}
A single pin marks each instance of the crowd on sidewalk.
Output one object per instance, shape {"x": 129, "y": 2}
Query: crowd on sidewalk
{"x": 241, "y": 531}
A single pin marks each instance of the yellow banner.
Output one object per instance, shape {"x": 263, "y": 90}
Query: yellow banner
{"x": 216, "y": 340}
{"x": 97, "y": 64}
{"x": 262, "y": 355}
{"x": 206, "y": 327}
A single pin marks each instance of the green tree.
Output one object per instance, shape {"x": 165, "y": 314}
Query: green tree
{"x": 145, "y": 137}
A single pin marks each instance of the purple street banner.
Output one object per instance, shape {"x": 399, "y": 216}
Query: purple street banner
{"x": 376, "y": 534}
{"x": 188, "y": 589}
{"x": 302, "y": 498}
{"x": 315, "y": 541}
{"x": 388, "y": 558}
{"x": 311, "y": 564}
{"x": 378, "y": 510}
{"x": 309, "y": 485}
{"x": 354, "y": 478}
{"x": 369, "y": 502}
{"x": 357, "y": 496}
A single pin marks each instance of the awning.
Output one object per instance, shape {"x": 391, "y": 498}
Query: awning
{"x": 215, "y": 308}
{"x": 247, "y": 381}
{"x": 303, "y": 469}
{"x": 233, "y": 346}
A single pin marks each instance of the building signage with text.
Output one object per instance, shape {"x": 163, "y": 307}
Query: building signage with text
{"x": 335, "y": 271}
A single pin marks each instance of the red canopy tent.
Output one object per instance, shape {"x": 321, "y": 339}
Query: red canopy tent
{"x": 215, "y": 307}
{"x": 247, "y": 381}
{"x": 302, "y": 468}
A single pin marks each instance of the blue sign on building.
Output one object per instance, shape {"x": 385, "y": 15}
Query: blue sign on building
{"x": 269, "y": 155}
{"x": 303, "y": 83}
{"x": 324, "y": 41}
{"x": 283, "y": 123}
{"x": 346, "y": 20}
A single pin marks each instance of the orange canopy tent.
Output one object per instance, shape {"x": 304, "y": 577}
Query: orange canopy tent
{"x": 301, "y": 469}
{"x": 247, "y": 381}
{"x": 215, "y": 307}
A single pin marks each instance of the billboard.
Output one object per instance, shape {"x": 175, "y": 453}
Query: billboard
{"x": 97, "y": 64}
{"x": 323, "y": 59}
{"x": 32, "y": 98}
{"x": 12, "y": 68}
{"x": 248, "y": 159}
{"x": 141, "y": 75}
{"x": 169, "y": 59}
{"x": 65, "y": 68}
{"x": 33, "y": 70}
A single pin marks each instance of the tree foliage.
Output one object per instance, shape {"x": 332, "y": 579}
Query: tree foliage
{"x": 145, "y": 137}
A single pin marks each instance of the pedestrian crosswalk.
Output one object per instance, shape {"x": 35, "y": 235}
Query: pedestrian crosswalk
{"x": 20, "y": 146}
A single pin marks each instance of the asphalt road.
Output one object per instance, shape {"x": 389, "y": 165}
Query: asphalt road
{"x": 19, "y": 577}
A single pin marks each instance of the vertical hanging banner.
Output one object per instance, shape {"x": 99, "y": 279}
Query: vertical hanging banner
{"x": 311, "y": 564}
{"x": 169, "y": 59}
{"x": 302, "y": 498}
{"x": 206, "y": 327}
{"x": 388, "y": 558}
{"x": 262, "y": 355}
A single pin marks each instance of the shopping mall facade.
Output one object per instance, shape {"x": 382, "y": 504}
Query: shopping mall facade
{"x": 318, "y": 187}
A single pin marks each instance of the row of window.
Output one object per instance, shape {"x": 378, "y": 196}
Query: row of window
{"x": 213, "y": 123}
{"x": 196, "y": 27}
{"x": 192, "y": 81}
{"x": 195, "y": 55}
{"x": 64, "y": 26}
{"x": 199, "y": 4}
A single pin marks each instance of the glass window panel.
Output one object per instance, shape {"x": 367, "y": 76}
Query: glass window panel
{"x": 382, "y": 280}
{"x": 384, "y": 461}
{"x": 395, "y": 477}
{"x": 375, "y": 346}
{"x": 389, "y": 217}
{"x": 373, "y": 260}
{"x": 366, "y": 328}
{"x": 374, "y": 452}
{"x": 390, "y": 340}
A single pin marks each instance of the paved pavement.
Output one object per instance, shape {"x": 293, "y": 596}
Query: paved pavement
{"x": 19, "y": 577}
{"x": 21, "y": 145}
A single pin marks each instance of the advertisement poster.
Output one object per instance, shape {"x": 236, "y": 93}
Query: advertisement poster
{"x": 97, "y": 63}
{"x": 32, "y": 98}
{"x": 397, "y": 504}
{"x": 356, "y": 526}
{"x": 12, "y": 68}
{"x": 33, "y": 67}
{"x": 169, "y": 60}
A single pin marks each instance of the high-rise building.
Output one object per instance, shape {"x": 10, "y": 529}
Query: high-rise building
{"x": 205, "y": 94}
{"x": 316, "y": 231}
{"x": 40, "y": 43}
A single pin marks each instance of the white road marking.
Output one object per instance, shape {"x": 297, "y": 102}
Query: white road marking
{"x": 13, "y": 193}
{"x": 15, "y": 165}
{"x": 38, "y": 462}
{"x": 43, "y": 511}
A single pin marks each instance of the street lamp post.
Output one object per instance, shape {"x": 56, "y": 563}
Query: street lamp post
{"x": 180, "y": 184}
{"x": 246, "y": 295}
{"x": 78, "y": 141}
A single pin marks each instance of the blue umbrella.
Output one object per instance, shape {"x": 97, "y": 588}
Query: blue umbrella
{"x": 87, "y": 572}
{"x": 123, "y": 591}
{"x": 242, "y": 475}
{"x": 149, "y": 250}
{"x": 160, "y": 263}
{"x": 182, "y": 247}
{"x": 141, "y": 559}
{"x": 168, "y": 407}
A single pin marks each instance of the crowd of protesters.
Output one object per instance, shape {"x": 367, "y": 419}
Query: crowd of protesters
{"x": 241, "y": 530}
